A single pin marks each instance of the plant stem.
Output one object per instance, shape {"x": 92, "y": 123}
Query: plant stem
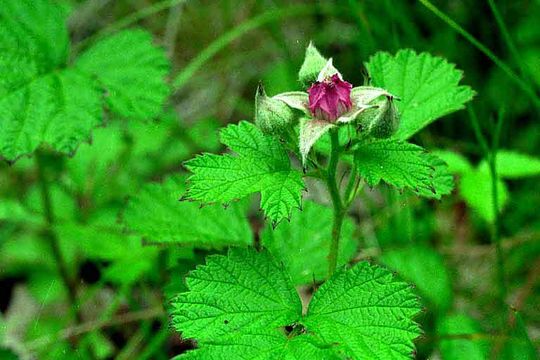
{"x": 505, "y": 68}
{"x": 52, "y": 239}
{"x": 339, "y": 210}
{"x": 490, "y": 155}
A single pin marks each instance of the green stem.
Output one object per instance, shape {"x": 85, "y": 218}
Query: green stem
{"x": 52, "y": 239}
{"x": 490, "y": 155}
{"x": 505, "y": 68}
{"x": 339, "y": 210}
{"x": 506, "y": 35}
{"x": 495, "y": 228}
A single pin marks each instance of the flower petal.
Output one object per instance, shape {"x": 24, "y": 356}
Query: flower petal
{"x": 311, "y": 130}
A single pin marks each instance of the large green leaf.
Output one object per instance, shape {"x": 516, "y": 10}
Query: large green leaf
{"x": 156, "y": 214}
{"x": 44, "y": 101}
{"x": 514, "y": 165}
{"x": 261, "y": 165}
{"x": 366, "y": 313}
{"x": 427, "y": 85}
{"x": 402, "y": 165}
{"x": 237, "y": 307}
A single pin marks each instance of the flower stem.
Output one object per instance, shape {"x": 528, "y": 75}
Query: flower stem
{"x": 339, "y": 210}
{"x": 52, "y": 239}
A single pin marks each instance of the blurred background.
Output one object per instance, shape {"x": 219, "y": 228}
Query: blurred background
{"x": 220, "y": 50}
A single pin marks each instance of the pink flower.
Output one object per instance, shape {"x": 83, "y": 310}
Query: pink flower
{"x": 330, "y": 98}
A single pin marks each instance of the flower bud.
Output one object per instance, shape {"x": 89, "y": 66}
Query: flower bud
{"x": 382, "y": 120}
{"x": 330, "y": 98}
{"x": 272, "y": 116}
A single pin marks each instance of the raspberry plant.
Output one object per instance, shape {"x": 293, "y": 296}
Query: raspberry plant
{"x": 86, "y": 126}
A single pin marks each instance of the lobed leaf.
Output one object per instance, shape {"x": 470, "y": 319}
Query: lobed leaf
{"x": 238, "y": 305}
{"x": 261, "y": 165}
{"x": 156, "y": 214}
{"x": 403, "y": 165}
{"x": 366, "y": 313}
{"x": 427, "y": 85}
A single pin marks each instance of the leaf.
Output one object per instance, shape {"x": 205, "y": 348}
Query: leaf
{"x": 156, "y": 214}
{"x": 43, "y": 101}
{"x": 35, "y": 28}
{"x": 425, "y": 268}
{"x": 442, "y": 180}
{"x": 132, "y": 71}
{"x": 519, "y": 345}
{"x": 454, "y": 349}
{"x": 513, "y": 165}
{"x": 302, "y": 245}
{"x": 427, "y": 85}
{"x": 261, "y": 165}
{"x": 238, "y": 305}
{"x": 366, "y": 313}
{"x": 239, "y": 298}
{"x": 402, "y": 165}
{"x": 476, "y": 189}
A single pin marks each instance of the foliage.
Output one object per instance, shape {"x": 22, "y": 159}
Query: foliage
{"x": 267, "y": 204}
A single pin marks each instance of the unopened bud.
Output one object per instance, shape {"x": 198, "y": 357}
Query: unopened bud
{"x": 382, "y": 120}
{"x": 272, "y": 116}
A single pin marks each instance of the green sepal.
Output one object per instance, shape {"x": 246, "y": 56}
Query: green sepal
{"x": 314, "y": 62}
{"x": 272, "y": 116}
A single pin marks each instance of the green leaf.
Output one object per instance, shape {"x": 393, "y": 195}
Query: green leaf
{"x": 238, "y": 305}
{"x": 302, "y": 245}
{"x": 132, "y": 71}
{"x": 33, "y": 29}
{"x": 454, "y": 349}
{"x": 425, "y": 268}
{"x": 366, "y": 313}
{"x": 514, "y": 165}
{"x": 242, "y": 297}
{"x": 476, "y": 189}
{"x": 402, "y": 165}
{"x": 156, "y": 214}
{"x": 261, "y": 165}
{"x": 43, "y": 101}
{"x": 427, "y": 85}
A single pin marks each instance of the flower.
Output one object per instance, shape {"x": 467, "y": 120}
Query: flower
{"x": 330, "y": 98}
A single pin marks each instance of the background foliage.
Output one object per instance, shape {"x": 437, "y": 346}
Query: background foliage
{"x": 108, "y": 195}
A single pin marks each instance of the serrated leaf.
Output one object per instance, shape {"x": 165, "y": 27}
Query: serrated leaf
{"x": 513, "y": 165}
{"x": 243, "y": 293}
{"x": 302, "y": 245}
{"x": 441, "y": 179}
{"x": 42, "y": 100}
{"x": 261, "y": 165}
{"x": 35, "y": 28}
{"x": 402, "y": 165}
{"x": 427, "y": 85}
{"x": 454, "y": 349}
{"x": 237, "y": 306}
{"x": 476, "y": 189}
{"x": 366, "y": 313}
{"x": 132, "y": 71}
{"x": 156, "y": 214}
{"x": 425, "y": 268}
